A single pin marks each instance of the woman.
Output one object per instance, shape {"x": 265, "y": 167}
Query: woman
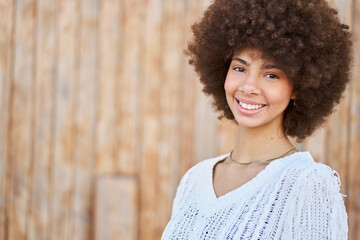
{"x": 277, "y": 68}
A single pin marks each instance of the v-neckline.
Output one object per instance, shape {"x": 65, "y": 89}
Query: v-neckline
{"x": 260, "y": 177}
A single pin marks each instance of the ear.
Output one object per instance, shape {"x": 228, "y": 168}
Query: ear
{"x": 293, "y": 96}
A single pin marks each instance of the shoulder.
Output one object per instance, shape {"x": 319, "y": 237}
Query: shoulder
{"x": 306, "y": 174}
{"x": 302, "y": 173}
{"x": 315, "y": 200}
{"x": 322, "y": 177}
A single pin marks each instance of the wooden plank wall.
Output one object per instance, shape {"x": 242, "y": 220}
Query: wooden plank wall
{"x": 100, "y": 116}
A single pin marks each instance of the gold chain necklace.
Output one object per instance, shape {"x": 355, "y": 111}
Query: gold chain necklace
{"x": 260, "y": 161}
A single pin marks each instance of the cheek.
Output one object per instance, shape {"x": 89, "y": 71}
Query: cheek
{"x": 280, "y": 95}
{"x": 229, "y": 92}
{"x": 229, "y": 85}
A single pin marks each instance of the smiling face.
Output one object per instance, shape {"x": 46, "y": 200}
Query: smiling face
{"x": 256, "y": 90}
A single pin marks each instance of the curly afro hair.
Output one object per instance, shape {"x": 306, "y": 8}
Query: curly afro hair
{"x": 305, "y": 38}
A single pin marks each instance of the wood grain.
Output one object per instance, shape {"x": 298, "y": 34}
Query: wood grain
{"x": 187, "y": 97}
{"x": 45, "y": 35}
{"x": 151, "y": 62}
{"x": 108, "y": 59}
{"x": 21, "y": 117}
{"x": 84, "y": 120}
{"x": 205, "y": 124}
{"x": 6, "y": 65}
{"x": 128, "y": 101}
{"x": 353, "y": 182}
{"x": 169, "y": 105}
{"x": 116, "y": 208}
{"x": 63, "y": 174}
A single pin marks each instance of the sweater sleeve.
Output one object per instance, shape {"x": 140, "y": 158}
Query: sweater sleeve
{"x": 318, "y": 210}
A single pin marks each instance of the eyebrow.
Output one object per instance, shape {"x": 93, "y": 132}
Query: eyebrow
{"x": 242, "y": 61}
{"x": 248, "y": 64}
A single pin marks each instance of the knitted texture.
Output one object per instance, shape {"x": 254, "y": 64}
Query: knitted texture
{"x": 292, "y": 198}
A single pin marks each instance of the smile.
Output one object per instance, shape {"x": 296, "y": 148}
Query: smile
{"x": 249, "y": 109}
{"x": 249, "y": 106}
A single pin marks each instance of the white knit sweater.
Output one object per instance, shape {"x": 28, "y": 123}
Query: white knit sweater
{"x": 292, "y": 198}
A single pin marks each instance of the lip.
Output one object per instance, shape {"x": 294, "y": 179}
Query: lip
{"x": 248, "y": 111}
{"x": 249, "y": 101}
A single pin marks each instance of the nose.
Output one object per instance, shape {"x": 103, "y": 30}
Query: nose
{"x": 250, "y": 85}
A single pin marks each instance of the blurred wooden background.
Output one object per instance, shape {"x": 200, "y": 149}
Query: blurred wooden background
{"x": 101, "y": 116}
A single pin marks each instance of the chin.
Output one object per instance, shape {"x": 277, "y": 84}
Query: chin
{"x": 249, "y": 123}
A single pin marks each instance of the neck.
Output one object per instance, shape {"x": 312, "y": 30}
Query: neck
{"x": 254, "y": 144}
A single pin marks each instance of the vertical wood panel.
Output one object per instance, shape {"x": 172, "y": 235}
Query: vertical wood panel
{"x": 172, "y": 40}
{"x": 187, "y": 96}
{"x": 85, "y": 120}
{"x": 109, "y": 56}
{"x": 353, "y": 176}
{"x": 20, "y": 143}
{"x": 150, "y": 102}
{"x": 38, "y": 219}
{"x": 62, "y": 181}
{"x": 354, "y": 138}
{"x": 205, "y": 125}
{"x": 116, "y": 212}
{"x": 128, "y": 91}
{"x": 6, "y": 35}
{"x": 205, "y": 129}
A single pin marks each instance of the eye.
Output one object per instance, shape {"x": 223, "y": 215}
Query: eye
{"x": 239, "y": 69}
{"x": 270, "y": 75}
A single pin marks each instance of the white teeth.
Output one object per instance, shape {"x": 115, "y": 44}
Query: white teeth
{"x": 249, "y": 106}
